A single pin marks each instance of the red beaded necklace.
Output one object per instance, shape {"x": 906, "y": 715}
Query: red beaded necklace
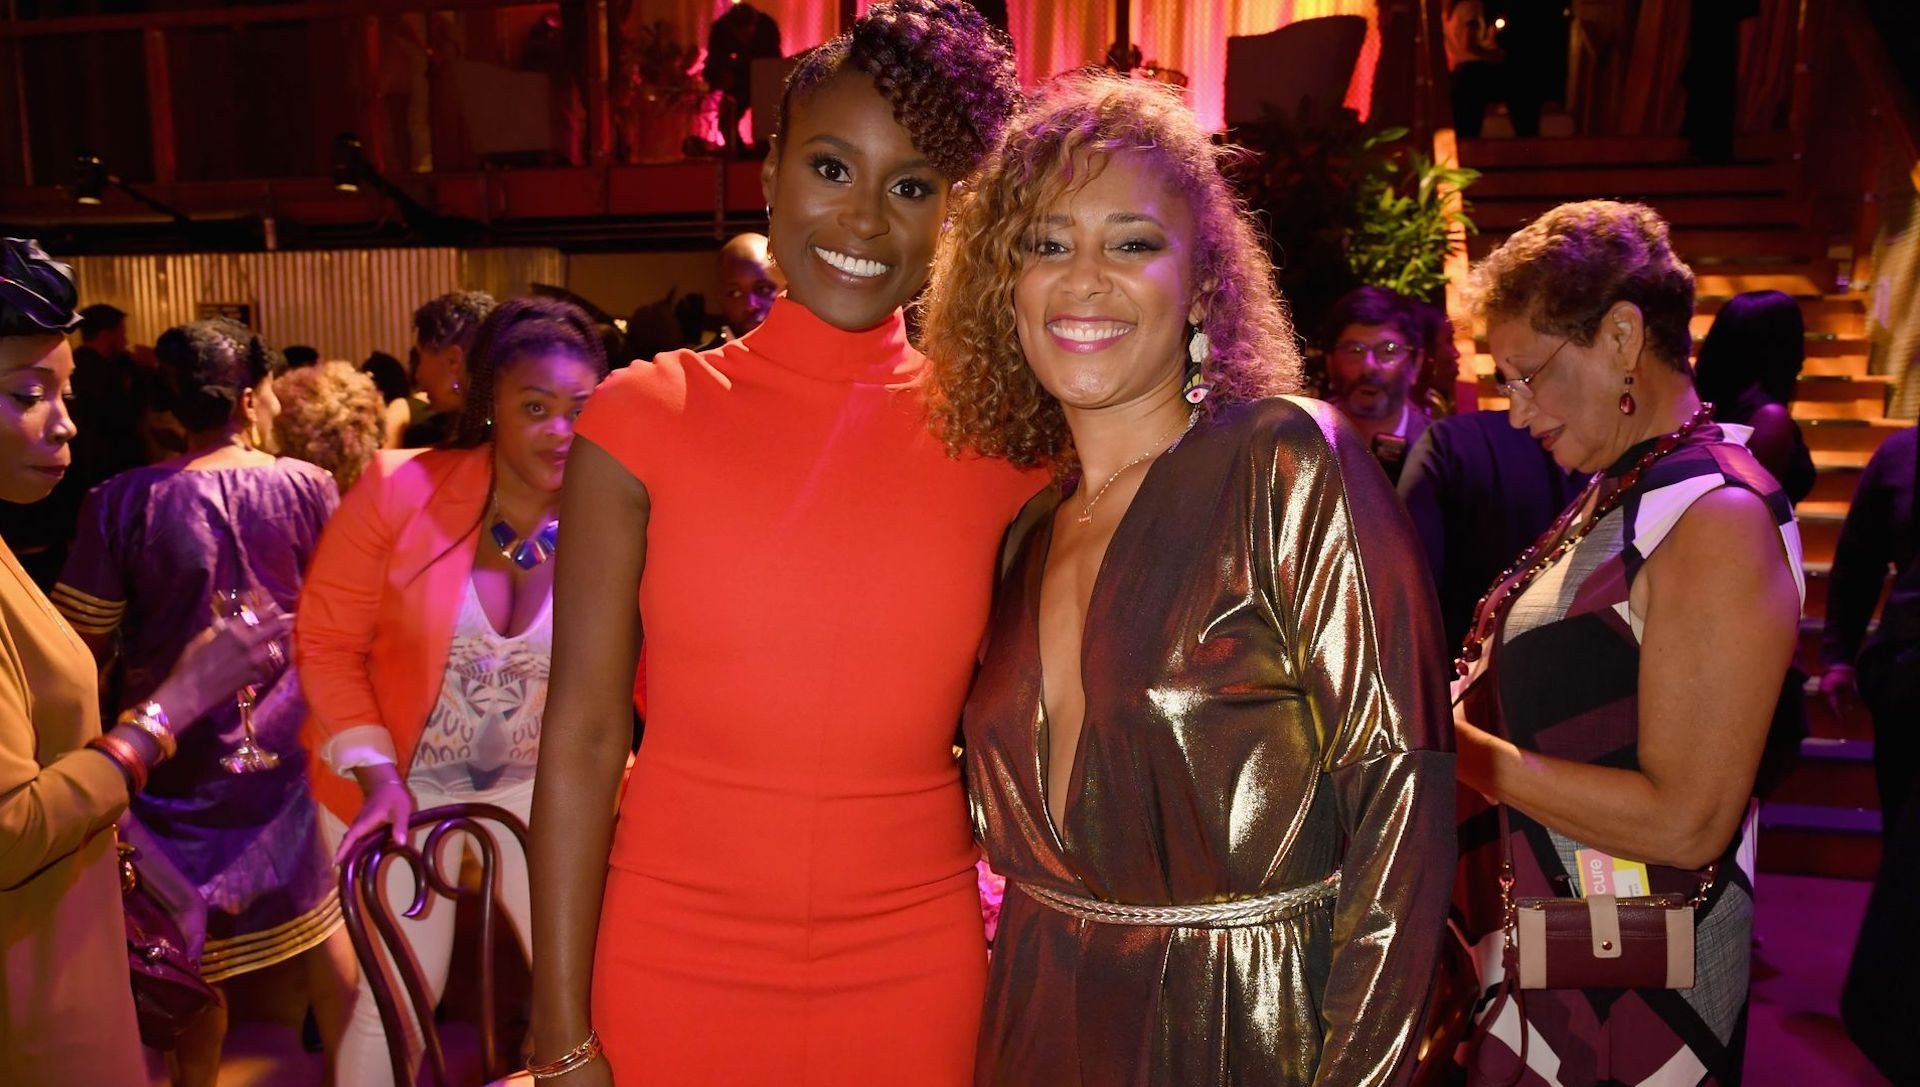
{"x": 1545, "y": 551}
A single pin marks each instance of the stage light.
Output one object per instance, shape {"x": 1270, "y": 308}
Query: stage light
{"x": 349, "y": 163}
{"x": 1500, "y": 23}
{"x": 89, "y": 178}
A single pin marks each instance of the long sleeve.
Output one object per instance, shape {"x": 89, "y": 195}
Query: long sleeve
{"x": 47, "y": 812}
{"x": 1860, "y": 561}
{"x": 1368, "y": 652}
{"x": 340, "y": 605}
{"x": 92, "y": 592}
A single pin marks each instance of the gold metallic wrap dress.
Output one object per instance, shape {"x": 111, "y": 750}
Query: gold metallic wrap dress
{"x": 1265, "y": 706}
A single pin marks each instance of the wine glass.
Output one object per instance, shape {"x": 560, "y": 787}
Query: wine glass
{"x": 248, "y": 757}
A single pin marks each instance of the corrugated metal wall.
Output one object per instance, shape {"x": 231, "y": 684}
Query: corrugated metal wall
{"x": 346, "y": 303}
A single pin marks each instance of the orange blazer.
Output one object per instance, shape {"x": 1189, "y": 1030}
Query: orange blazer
{"x": 380, "y": 600}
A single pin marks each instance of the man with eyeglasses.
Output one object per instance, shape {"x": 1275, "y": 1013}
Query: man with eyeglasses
{"x": 1373, "y": 354}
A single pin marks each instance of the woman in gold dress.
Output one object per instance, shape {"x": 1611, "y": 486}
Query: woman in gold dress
{"x": 1208, "y": 741}
{"x": 66, "y": 1008}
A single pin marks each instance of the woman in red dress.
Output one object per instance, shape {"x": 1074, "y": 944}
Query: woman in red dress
{"x": 788, "y": 896}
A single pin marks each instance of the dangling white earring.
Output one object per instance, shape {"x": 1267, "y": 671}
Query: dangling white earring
{"x": 1199, "y": 353}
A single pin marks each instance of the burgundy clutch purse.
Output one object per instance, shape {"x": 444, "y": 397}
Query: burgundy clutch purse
{"x": 1603, "y": 942}
{"x": 166, "y": 925}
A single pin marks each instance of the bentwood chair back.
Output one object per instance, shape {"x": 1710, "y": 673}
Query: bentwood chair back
{"x": 369, "y": 918}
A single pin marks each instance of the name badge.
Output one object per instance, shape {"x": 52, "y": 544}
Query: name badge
{"x": 1602, "y": 874}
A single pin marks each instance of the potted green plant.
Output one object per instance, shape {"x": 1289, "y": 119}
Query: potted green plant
{"x": 1406, "y": 208}
{"x": 657, "y": 97}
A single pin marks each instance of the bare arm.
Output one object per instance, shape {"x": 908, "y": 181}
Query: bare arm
{"x": 1721, "y": 616}
{"x": 584, "y": 736}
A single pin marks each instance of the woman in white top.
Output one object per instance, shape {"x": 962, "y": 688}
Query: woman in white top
{"x": 425, "y": 630}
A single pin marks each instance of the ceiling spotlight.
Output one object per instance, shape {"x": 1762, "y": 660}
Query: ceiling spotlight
{"x": 89, "y": 178}
{"x": 349, "y": 162}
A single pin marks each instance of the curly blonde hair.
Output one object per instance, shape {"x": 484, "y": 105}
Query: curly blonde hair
{"x": 330, "y": 415}
{"x": 982, "y": 396}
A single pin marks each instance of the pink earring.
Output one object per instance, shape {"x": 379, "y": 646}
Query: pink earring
{"x": 1627, "y": 406}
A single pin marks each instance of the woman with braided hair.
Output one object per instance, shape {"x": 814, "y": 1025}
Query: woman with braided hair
{"x": 790, "y": 894}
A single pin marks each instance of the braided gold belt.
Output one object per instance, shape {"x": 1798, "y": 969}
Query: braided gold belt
{"x": 1233, "y": 913}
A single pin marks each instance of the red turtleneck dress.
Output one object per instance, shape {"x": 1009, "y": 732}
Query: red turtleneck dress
{"x": 791, "y": 895}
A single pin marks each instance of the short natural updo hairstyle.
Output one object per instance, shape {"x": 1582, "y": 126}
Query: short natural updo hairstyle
{"x": 208, "y": 365}
{"x": 330, "y": 415}
{"x": 514, "y": 330}
{"x": 945, "y": 70}
{"x": 983, "y": 396}
{"x": 1563, "y": 271}
{"x": 451, "y": 319}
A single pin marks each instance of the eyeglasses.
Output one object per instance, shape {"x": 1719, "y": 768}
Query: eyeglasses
{"x": 1386, "y": 352}
{"x": 1525, "y": 384}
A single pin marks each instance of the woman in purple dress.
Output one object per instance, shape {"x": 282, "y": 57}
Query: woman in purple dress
{"x": 162, "y": 550}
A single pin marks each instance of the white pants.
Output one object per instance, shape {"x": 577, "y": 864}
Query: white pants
{"x": 363, "y": 1059}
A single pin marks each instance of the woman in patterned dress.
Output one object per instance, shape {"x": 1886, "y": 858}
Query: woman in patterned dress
{"x": 156, "y": 545}
{"x": 1619, "y": 705}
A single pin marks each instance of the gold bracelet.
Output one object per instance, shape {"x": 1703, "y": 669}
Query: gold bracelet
{"x": 151, "y": 719}
{"x": 572, "y": 1060}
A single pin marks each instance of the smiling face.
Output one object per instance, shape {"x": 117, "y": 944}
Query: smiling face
{"x": 1571, "y": 406}
{"x": 536, "y": 399}
{"x": 35, "y": 428}
{"x": 855, "y": 208}
{"x": 1106, "y": 290}
{"x": 1371, "y": 369}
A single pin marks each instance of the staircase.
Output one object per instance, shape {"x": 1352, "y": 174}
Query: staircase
{"x": 1742, "y": 226}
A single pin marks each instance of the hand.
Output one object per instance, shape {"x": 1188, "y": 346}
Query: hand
{"x": 227, "y": 656}
{"x": 1840, "y": 686}
{"x": 388, "y": 805}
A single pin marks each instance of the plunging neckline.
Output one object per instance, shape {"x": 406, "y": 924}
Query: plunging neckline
{"x": 1043, "y": 721}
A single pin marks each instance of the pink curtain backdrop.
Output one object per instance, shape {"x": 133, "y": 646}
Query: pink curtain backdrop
{"x": 1053, "y": 36}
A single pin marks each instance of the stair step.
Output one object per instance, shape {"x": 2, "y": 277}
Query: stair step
{"x": 1868, "y": 405}
{"x": 1839, "y": 322}
{"x": 1810, "y": 308}
{"x": 1721, "y": 284}
{"x": 1841, "y": 460}
{"x": 1834, "y": 484}
{"x": 1681, "y": 212}
{"x": 1815, "y": 840}
{"x": 1645, "y": 183}
{"x": 1859, "y": 435}
{"x": 1842, "y": 387}
{"x": 1834, "y": 366}
{"x": 1700, "y": 247}
{"x": 1831, "y": 773}
{"x": 1819, "y": 535}
{"x": 1609, "y": 151}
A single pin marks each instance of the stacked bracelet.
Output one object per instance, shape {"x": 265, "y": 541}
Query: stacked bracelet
{"x": 573, "y": 1059}
{"x": 149, "y": 718}
{"x": 126, "y": 757}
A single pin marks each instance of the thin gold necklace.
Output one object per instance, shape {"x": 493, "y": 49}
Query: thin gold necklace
{"x": 1086, "y": 511}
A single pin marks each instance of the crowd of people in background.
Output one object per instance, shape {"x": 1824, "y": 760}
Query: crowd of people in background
{"x": 1240, "y": 643}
